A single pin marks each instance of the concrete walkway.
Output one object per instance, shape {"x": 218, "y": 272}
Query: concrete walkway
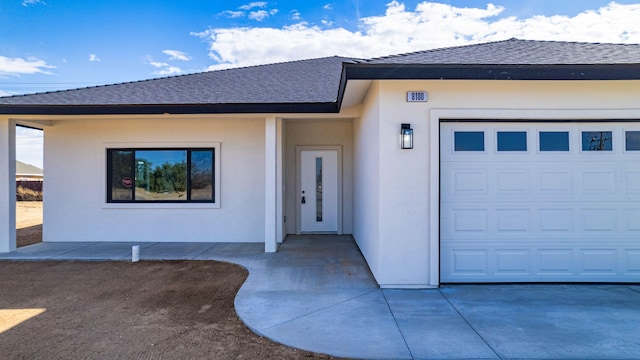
{"x": 317, "y": 293}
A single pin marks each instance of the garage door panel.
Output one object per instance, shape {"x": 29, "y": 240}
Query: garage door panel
{"x": 598, "y": 262}
{"x": 632, "y": 181}
{"x": 539, "y": 215}
{"x": 598, "y": 181}
{"x": 513, "y": 220}
{"x": 631, "y": 262}
{"x": 554, "y": 261}
{"x": 545, "y": 263}
{"x": 471, "y": 181}
{"x": 555, "y": 182}
{"x": 513, "y": 262}
{"x": 632, "y": 220}
{"x": 539, "y": 219}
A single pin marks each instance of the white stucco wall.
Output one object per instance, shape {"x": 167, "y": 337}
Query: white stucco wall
{"x": 319, "y": 132}
{"x": 366, "y": 189}
{"x": 392, "y": 222}
{"x": 7, "y": 185}
{"x": 75, "y": 206}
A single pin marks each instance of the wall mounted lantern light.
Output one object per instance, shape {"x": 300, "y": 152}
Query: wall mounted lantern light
{"x": 406, "y": 136}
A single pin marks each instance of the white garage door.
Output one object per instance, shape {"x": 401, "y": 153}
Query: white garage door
{"x": 540, "y": 202}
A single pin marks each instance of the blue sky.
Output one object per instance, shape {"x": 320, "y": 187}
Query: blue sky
{"x": 50, "y": 45}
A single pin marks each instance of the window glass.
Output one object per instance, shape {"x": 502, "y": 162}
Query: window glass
{"x": 512, "y": 141}
{"x": 122, "y": 175}
{"x": 554, "y": 141}
{"x": 632, "y": 140}
{"x": 160, "y": 175}
{"x": 596, "y": 141}
{"x": 469, "y": 141}
{"x": 319, "y": 189}
{"x": 202, "y": 175}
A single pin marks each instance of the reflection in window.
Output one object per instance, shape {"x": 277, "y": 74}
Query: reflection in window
{"x": 469, "y": 141}
{"x": 160, "y": 175}
{"x": 512, "y": 141}
{"x": 122, "y": 175}
{"x": 632, "y": 140}
{"x": 202, "y": 175}
{"x": 554, "y": 141}
{"x": 596, "y": 141}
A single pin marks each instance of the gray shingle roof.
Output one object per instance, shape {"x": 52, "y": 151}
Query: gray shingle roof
{"x": 522, "y": 52}
{"x": 306, "y": 81}
{"x": 317, "y": 85}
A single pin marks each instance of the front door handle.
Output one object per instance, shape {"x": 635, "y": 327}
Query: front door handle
{"x": 304, "y": 201}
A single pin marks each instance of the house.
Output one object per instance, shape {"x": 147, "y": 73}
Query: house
{"x": 520, "y": 165}
{"x": 26, "y": 172}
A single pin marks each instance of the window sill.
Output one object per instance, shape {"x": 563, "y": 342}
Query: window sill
{"x": 160, "y": 206}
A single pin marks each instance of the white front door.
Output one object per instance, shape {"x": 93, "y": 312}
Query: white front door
{"x": 319, "y": 191}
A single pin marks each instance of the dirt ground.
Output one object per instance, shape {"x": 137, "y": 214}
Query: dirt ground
{"x": 124, "y": 310}
{"x": 28, "y": 222}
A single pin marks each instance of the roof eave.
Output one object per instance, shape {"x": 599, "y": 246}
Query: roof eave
{"x": 155, "y": 109}
{"x": 492, "y": 72}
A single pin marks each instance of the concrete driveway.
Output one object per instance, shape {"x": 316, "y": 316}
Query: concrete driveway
{"x": 317, "y": 293}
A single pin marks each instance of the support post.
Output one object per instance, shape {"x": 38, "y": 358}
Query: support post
{"x": 279, "y": 180}
{"x": 270, "y": 185}
{"x": 7, "y": 185}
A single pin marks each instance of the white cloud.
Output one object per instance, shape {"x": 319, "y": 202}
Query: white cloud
{"x": 19, "y": 66}
{"x": 430, "y": 25}
{"x": 233, "y": 14}
{"x": 5, "y": 93}
{"x": 94, "y": 57}
{"x": 32, "y": 2}
{"x": 169, "y": 70}
{"x": 260, "y": 15}
{"x": 176, "y": 55}
{"x": 158, "y": 64}
{"x": 328, "y": 7}
{"x": 164, "y": 69}
{"x": 252, "y": 5}
{"x": 295, "y": 15}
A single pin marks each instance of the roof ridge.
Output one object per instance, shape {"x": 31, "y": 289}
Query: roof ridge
{"x": 513, "y": 39}
{"x": 440, "y": 49}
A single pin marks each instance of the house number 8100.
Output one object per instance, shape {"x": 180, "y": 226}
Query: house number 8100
{"x": 416, "y": 96}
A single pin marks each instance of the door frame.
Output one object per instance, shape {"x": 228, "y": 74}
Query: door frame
{"x": 299, "y": 150}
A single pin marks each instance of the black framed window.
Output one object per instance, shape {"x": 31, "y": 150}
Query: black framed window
{"x": 161, "y": 175}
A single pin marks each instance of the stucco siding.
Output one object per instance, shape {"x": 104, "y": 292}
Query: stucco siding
{"x": 396, "y": 220}
{"x": 404, "y": 197}
{"x": 366, "y": 190}
{"x": 7, "y": 185}
{"x": 75, "y": 207}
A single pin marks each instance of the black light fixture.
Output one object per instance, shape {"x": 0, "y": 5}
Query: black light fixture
{"x": 406, "y": 136}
